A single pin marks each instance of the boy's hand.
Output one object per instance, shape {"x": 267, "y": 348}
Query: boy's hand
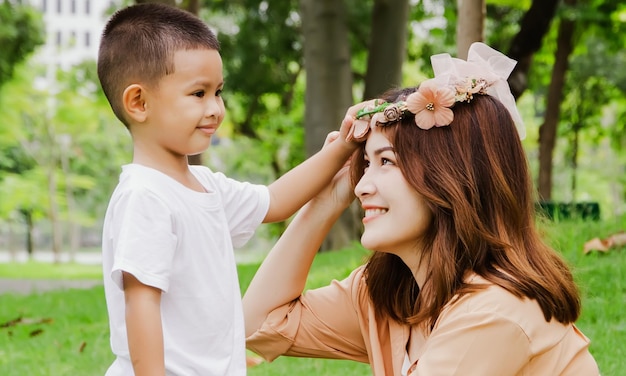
{"x": 339, "y": 193}
{"x": 353, "y": 130}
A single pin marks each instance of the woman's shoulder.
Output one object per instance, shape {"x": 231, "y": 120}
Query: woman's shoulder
{"x": 495, "y": 303}
{"x": 495, "y": 298}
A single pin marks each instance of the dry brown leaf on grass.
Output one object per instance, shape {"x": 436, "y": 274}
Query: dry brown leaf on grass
{"x": 25, "y": 321}
{"x": 604, "y": 245}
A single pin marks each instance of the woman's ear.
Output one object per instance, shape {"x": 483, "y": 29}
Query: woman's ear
{"x": 134, "y": 102}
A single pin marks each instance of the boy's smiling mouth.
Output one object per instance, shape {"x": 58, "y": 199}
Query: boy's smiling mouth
{"x": 210, "y": 130}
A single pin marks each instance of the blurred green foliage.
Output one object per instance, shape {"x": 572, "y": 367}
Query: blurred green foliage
{"x": 21, "y": 31}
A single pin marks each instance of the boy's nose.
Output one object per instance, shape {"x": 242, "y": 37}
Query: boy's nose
{"x": 214, "y": 108}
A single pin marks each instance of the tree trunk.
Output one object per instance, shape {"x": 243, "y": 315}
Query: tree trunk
{"x": 193, "y": 6}
{"x": 27, "y": 215}
{"x": 53, "y": 214}
{"x": 574, "y": 158}
{"x": 50, "y": 161}
{"x": 328, "y": 70}
{"x": 470, "y": 25}
{"x": 10, "y": 241}
{"x": 73, "y": 227}
{"x": 387, "y": 48}
{"x": 328, "y": 86}
{"x": 30, "y": 236}
{"x": 534, "y": 26}
{"x": 548, "y": 130}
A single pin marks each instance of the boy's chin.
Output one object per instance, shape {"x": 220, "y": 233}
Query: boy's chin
{"x": 196, "y": 156}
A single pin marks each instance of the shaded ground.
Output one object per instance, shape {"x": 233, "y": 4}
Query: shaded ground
{"x": 30, "y": 286}
{"x": 47, "y": 256}
{"x": 254, "y": 252}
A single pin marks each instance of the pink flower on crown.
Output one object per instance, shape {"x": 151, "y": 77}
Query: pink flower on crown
{"x": 431, "y": 105}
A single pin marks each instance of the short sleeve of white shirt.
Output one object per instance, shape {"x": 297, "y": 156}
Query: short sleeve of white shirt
{"x": 245, "y": 204}
{"x": 145, "y": 223}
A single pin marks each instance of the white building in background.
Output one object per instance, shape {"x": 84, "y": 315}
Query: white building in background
{"x": 73, "y": 30}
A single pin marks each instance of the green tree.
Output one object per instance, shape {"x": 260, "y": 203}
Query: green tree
{"x": 578, "y": 21}
{"x": 66, "y": 161}
{"x": 21, "y": 31}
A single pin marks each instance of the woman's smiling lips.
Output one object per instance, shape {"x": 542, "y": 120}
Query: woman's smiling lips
{"x": 372, "y": 213}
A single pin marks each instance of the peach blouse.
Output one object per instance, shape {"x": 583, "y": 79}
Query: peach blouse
{"x": 490, "y": 332}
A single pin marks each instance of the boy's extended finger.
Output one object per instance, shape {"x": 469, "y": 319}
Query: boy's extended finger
{"x": 330, "y": 137}
{"x": 353, "y": 110}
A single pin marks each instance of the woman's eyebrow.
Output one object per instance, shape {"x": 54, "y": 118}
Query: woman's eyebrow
{"x": 383, "y": 149}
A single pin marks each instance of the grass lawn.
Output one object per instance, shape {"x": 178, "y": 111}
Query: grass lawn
{"x": 66, "y": 333}
{"x": 44, "y": 270}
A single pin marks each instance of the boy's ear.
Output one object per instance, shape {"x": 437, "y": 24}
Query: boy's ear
{"x": 134, "y": 101}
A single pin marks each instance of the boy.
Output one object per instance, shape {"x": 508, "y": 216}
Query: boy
{"x": 169, "y": 271}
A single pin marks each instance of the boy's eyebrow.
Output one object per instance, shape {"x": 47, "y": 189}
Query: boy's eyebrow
{"x": 202, "y": 82}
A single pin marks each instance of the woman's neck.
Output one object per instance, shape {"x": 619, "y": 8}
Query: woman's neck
{"x": 417, "y": 264}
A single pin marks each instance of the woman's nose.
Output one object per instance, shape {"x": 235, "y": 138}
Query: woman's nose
{"x": 364, "y": 187}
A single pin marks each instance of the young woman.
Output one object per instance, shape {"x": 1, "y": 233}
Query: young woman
{"x": 460, "y": 282}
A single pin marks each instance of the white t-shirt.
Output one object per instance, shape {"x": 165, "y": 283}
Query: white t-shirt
{"x": 181, "y": 241}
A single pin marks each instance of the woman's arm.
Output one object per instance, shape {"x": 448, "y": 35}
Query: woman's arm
{"x": 282, "y": 275}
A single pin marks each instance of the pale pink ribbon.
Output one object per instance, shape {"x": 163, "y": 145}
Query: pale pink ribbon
{"x": 482, "y": 62}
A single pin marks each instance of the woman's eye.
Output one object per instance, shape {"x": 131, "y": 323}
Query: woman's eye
{"x": 218, "y": 93}
{"x": 199, "y": 94}
{"x": 386, "y": 161}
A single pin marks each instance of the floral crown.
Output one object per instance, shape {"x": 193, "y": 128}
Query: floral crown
{"x": 484, "y": 73}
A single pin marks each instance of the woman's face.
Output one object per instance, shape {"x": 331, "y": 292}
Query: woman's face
{"x": 396, "y": 216}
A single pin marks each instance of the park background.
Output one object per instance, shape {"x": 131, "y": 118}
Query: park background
{"x": 291, "y": 70}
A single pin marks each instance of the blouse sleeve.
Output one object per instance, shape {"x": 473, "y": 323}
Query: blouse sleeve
{"x": 322, "y": 323}
{"x": 474, "y": 343}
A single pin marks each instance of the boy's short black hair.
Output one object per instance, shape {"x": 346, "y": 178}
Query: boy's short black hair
{"x": 138, "y": 46}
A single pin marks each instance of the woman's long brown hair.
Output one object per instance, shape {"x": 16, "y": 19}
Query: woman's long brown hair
{"x": 474, "y": 176}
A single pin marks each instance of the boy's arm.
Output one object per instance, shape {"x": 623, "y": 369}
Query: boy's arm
{"x": 303, "y": 182}
{"x": 143, "y": 327}
{"x": 282, "y": 275}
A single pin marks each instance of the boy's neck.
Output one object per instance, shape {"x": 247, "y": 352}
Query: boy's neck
{"x": 176, "y": 167}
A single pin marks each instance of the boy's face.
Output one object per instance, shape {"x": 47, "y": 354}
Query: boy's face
{"x": 187, "y": 107}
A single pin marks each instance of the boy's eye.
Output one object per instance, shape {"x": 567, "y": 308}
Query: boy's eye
{"x": 199, "y": 94}
{"x": 218, "y": 93}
